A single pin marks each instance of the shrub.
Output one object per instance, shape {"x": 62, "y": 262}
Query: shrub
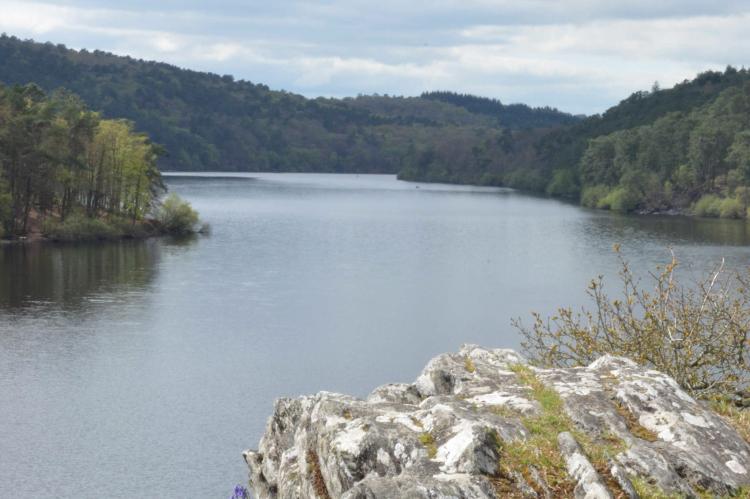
{"x": 564, "y": 184}
{"x": 78, "y": 227}
{"x": 619, "y": 199}
{"x": 176, "y": 216}
{"x": 526, "y": 180}
{"x": 709, "y": 205}
{"x": 731, "y": 208}
{"x": 591, "y": 195}
{"x": 696, "y": 334}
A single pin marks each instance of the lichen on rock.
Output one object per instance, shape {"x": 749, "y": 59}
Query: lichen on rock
{"x": 462, "y": 430}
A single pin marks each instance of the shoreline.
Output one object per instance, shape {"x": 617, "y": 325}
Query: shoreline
{"x": 42, "y": 239}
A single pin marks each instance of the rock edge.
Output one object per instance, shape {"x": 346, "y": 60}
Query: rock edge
{"x": 444, "y": 435}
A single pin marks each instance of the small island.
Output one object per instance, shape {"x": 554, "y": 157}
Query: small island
{"x": 68, "y": 174}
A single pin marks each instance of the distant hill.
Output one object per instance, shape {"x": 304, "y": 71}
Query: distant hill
{"x": 505, "y": 115}
{"x": 211, "y": 122}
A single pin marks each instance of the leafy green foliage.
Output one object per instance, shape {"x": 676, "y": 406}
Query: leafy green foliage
{"x": 655, "y": 151}
{"x": 78, "y": 227}
{"x": 176, "y": 216}
{"x": 63, "y": 163}
{"x": 695, "y": 158}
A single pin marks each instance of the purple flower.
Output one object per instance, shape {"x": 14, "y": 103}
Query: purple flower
{"x": 240, "y": 492}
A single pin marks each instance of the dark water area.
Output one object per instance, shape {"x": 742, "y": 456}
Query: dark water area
{"x": 145, "y": 368}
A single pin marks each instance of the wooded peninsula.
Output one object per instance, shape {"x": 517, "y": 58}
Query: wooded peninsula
{"x": 66, "y": 173}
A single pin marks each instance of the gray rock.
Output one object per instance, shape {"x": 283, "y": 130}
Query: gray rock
{"x": 588, "y": 483}
{"x": 446, "y": 435}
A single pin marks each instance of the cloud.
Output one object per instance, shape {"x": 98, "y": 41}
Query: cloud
{"x": 579, "y": 55}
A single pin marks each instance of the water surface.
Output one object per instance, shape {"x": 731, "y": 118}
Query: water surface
{"x": 143, "y": 369}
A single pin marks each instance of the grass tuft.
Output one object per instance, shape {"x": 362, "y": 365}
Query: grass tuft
{"x": 738, "y": 418}
{"x": 540, "y": 451}
{"x": 428, "y": 441}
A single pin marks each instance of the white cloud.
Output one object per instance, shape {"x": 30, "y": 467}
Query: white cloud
{"x": 579, "y": 55}
{"x": 34, "y": 18}
{"x": 166, "y": 43}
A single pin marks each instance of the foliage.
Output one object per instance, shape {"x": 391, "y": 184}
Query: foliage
{"x": 540, "y": 450}
{"x": 739, "y": 418}
{"x": 539, "y": 453}
{"x": 212, "y": 122}
{"x": 58, "y": 159}
{"x": 564, "y": 184}
{"x": 709, "y": 205}
{"x": 654, "y": 151}
{"x": 696, "y": 334}
{"x": 426, "y": 439}
{"x": 176, "y": 216}
{"x": 699, "y": 157}
{"x": 78, "y": 227}
{"x": 593, "y": 195}
{"x": 618, "y": 199}
{"x": 508, "y": 115}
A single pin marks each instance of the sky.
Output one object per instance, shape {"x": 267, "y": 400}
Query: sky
{"x": 581, "y": 56}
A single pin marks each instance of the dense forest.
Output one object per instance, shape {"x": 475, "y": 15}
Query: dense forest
{"x": 698, "y": 158}
{"x": 504, "y": 115}
{"x": 64, "y": 169}
{"x": 211, "y": 122}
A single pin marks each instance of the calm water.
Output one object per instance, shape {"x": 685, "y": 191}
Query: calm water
{"x": 143, "y": 369}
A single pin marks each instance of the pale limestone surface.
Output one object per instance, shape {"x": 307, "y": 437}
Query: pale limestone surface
{"x": 442, "y": 435}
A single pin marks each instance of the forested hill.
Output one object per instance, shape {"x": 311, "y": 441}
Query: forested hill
{"x": 686, "y": 148}
{"x": 565, "y": 147}
{"x": 211, "y": 122}
{"x": 507, "y": 115}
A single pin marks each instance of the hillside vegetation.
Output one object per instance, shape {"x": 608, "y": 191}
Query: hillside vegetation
{"x": 211, "y": 122}
{"x": 684, "y": 149}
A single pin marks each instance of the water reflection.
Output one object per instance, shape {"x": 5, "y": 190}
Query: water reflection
{"x": 65, "y": 274}
{"x": 167, "y": 354}
{"x": 671, "y": 229}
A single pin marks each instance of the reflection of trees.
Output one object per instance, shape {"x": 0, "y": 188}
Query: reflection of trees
{"x": 673, "y": 229}
{"x": 64, "y": 274}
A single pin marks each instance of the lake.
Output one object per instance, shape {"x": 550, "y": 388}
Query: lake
{"x": 145, "y": 368}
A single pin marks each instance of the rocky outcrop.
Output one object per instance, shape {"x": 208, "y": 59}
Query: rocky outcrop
{"x": 483, "y": 423}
